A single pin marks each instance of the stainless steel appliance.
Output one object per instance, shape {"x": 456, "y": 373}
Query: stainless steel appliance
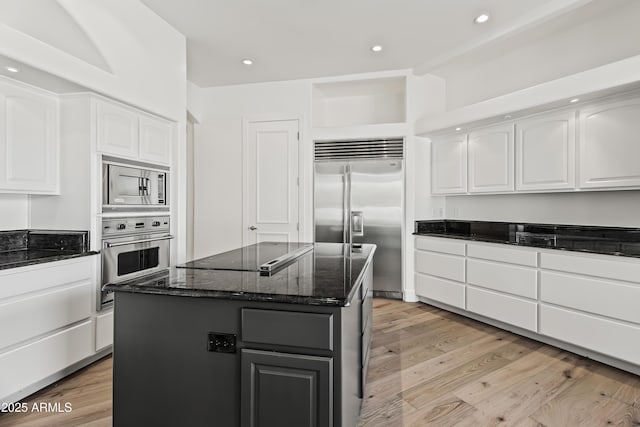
{"x": 359, "y": 198}
{"x": 134, "y": 185}
{"x": 133, "y": 247}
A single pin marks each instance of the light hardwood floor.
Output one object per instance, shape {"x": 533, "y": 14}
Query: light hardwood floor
{"x": 428, "y": 368}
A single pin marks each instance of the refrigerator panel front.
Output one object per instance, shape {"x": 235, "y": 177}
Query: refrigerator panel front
{"x": 330, "y": 201}
{"x": 376, "y": 217}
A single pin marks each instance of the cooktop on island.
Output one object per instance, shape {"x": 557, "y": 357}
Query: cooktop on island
{"x": 262, "y": 257}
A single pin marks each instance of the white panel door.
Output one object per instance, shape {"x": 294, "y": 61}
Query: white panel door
{"x": 271, "y": 181}
{"x": 545, "y": 152}
{"x": 610, "y": 145}
{"x": 118, "y": 130}
{"x": 155, "y": 140}
{"x": 491, "y": 159}
{"x": 449, "y": 165}
{"x": 28, "y": 141}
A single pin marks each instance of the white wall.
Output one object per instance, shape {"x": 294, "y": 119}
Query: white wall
{"x": 14, "y": 211}
{"x": 218, "y": 154}
{"x": 603, "y": 208}
{"x": 603, "y": 38}
{"x": 119, "y": 48}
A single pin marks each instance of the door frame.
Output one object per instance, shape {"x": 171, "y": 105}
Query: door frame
{"x": 274, "y": 117}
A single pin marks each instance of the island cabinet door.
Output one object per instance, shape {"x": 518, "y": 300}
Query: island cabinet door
{"x": 286, "y": 390}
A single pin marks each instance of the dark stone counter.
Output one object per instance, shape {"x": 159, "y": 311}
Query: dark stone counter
{"x": 325, "y": 276}
{"x": 19, "y": 248}
{"x": 619, "y": 241}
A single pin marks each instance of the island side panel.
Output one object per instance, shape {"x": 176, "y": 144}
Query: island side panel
{"x": 163, "y": 373}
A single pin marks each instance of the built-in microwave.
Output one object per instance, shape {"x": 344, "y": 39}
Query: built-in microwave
{"x": 129, "y": 185}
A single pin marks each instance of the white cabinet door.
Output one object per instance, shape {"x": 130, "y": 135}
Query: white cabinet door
{"x": 610, "y": 145}
{"x": 28, "y": 141}
{"x": 491, "y": 159}
{"x": 155, "y": 140}
{"x": 118, "y": 132}
{"x": 270, "y": 180}
{"x": 545, "y": 152}
{"x": 449, "y": 165}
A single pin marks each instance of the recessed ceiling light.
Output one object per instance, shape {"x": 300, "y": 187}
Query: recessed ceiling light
{"x": 12, "y": 69}
{"x": 458, "y": 129}
{"x": 574, "y": 100}
{"x": 376, "y": 48}
{"x": 481, "y": 19}
{"x": 508, "y": 116}
{"x": 247, "y": 61}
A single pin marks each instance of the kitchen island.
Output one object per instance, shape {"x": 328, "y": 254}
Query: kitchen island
{"x": 218, "y": 342}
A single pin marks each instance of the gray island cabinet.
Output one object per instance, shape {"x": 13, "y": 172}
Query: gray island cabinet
{"x": 199, "y": 345}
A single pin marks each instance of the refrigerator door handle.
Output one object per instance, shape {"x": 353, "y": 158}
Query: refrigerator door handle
{"x": 347, "y": 206}
{"x": 357, "y": 223}
{"x": 346, "y": 236}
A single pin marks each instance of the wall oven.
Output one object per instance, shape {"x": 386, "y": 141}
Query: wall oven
{"x": 134, "y": 186}
{"x": 133, "y": 247}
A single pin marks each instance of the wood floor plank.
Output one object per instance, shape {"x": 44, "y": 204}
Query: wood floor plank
{"x": 428, "y": 391}
{"x": 520, "y": 400}
{"x": 515, "y": 373}
{"x": 428, "y": 367}
{"x": 589, "y": 401}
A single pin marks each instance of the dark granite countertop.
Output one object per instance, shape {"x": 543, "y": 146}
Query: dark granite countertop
{"x": 19, "y": 248}
{"x": 618, "y": 241}
{"x": 327, "y": 276}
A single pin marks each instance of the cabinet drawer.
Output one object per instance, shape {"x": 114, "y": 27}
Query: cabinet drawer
{"x": 604, "y": 336}
{"x": 602, "y": 266}
{"x": 508, "y": 309}
{"x": 24, "y": 366}
{"x": 34, "y": 278}
{"x": 104, "y": 330}
{"x": 449, "y": 246}
{"x": 526, "y": 257}
{"x": 29, "y": 317}
{"x": 441, "y": 265}
{"x": 309, "y": 330}
{"x": 612, "y": 299}
{"x": 507, "y": 278}
{"x": 438, "y": 289}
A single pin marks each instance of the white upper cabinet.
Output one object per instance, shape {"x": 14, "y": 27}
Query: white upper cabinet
{"x": 118, "y": 131}
{"x": 545, "y": 152}
{"x": 491, "y": 159}
{"x": 449, "y": 165}
{"x": 28, "y": 140}
{"x": 155, "y": 140}
{"x": 610, "y": 145}
{"x": 125, "y": 132}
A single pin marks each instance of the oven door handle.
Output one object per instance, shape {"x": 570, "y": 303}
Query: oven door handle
{"x": 111, "y": 245}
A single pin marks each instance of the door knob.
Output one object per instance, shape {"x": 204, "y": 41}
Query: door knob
{"x": 253, "y": 227}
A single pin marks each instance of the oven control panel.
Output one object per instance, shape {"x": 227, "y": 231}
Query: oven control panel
{"x": 135, "y": 225}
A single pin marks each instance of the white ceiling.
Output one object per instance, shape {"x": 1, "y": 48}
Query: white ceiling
{"x": 294, "y": 39}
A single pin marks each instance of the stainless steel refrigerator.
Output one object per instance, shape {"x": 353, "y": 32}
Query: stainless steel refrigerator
{"x": 359, "y": 198}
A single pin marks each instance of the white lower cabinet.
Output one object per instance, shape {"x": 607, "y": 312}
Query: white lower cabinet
{"x": 591, "y": 294}
{"x": 505, "y": 308}
{"x": 615, "y": 339}
{"x": 104, "y": 330}
{"x": 46, "y": 322}
{"x": 34, "y": 362}
{"x": 586, "y": 300}
{"x": 435, "y": 288}
{"x": 441, "y": 265}
{"x": 510, "y": 279}
{"x": 31, "y": 316}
